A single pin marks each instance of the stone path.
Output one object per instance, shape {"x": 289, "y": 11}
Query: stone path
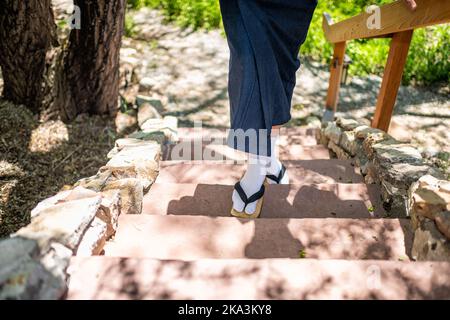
{"x": 188, "y": 72}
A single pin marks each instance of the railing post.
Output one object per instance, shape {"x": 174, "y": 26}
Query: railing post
{"x": 337, "y": 65}
{"x": 392, "y": 79}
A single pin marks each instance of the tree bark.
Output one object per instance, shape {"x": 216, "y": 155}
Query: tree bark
{"x": 27, "y": 32}
{"x": 88, "y": 74}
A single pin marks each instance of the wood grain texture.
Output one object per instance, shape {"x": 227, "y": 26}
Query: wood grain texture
{"x": 391, "y": 79}
{"x": 336, "y": 68}
{"x": 395, "y": 17}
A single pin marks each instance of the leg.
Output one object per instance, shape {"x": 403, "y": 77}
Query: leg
{"x": 264, "y": 39}
{"x": 258, "y": 167}
{"x": 275, "y": 166}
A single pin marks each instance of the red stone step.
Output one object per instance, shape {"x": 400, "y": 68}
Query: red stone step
{"x": 300, "y": 172}
{"x": 192, "y": 150}
{"x": 297, "y": 135}
{"x": 115, "y": 278}
{"x": 281, "y": 201}
{"x": 197, "y": 237}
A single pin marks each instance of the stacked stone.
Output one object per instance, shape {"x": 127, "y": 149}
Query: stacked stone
{"x": 79, "y": 221}
{"x": 429, "y": 207}
{"x": 410, "y": 187}
{"x": 382, "y": 159}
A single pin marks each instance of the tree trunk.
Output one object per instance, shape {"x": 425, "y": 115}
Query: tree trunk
{"x": 88, "y": 75}
{"x": 27, "y": 32}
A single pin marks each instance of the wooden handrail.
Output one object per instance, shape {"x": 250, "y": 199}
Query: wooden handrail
{"x": 395, "y": 17}
{"x": 396, "y": 21}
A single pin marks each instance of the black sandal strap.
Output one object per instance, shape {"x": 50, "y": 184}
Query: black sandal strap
{"x": 280, "y": 175}
{"x": 241, "y": 192}
{"x": 258, "y": 195}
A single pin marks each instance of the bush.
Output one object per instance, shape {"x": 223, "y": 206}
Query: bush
{"x": 427, "y": 63}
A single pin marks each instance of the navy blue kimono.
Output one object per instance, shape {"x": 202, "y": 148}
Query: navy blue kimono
{"x": 264, "y": 37}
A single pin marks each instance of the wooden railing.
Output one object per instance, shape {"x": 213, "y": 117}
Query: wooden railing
{"x": 397, "y": 22}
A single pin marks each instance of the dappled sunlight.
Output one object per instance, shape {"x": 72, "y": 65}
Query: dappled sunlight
{"x": 335, "y": 239}
{"x": 197, "y": 237}
{"x": 116, "y": 278}
{"x": 288, "y": 201}
{"x": 229, "y": 171}
{"x": 429, "y": 134}
{"x": 182, "y": 172}
{"x": 198, "y": 149}
{"x": 183, "y": 239}
{"x": 117, "y": 181}
{"x": 9, "y": 169}
{"x": 38, "y": 159}
{"x": 263, "y": 238}
{"x": 6, "y": 190}
{"x": 48, "y": 136}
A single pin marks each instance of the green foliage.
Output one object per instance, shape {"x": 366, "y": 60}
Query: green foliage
{"x": 443, "y": 162}
{"x": 428, "y": 60}
{"x": 62, "y": 24}
{"x": 187, "y": 13}
{"x": 129, "y": 26}
{"x": 302, "y": 254}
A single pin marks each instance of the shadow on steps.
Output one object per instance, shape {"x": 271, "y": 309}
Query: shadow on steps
{"x": 340, "y": 201}
{"x": 281, "y": 201}
{"x": 227, "y": 173}
{"x": 120, "y": 278}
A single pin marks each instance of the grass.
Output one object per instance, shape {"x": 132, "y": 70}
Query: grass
{"x": 302, "y": 254}
{"x": 442, "y": 161}
{"x": 130, "y": 26}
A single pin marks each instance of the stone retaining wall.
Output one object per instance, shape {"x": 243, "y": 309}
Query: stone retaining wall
{"x": 410, "y": 187}
{"x": 79, "y": 221}
{"x": 429, "y": 206}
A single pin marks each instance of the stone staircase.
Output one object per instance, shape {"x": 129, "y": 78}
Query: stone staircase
{"x": 324, "y": 236}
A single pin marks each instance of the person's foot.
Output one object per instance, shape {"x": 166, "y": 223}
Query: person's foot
{"x": 251, "y": 183}
{"x": 276, "y": 169}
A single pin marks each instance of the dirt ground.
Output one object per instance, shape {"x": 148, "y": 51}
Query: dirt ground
{"x": 38, "y": 159}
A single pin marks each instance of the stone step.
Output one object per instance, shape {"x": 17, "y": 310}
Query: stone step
{"x": 300, "y": 172}
{"x": 197, "y": 237}
{"x": 280, "y": 201}
{"x": 297, "y": 135}
{"x": 191, "y": 150}
{"x": 117, "y": 278}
